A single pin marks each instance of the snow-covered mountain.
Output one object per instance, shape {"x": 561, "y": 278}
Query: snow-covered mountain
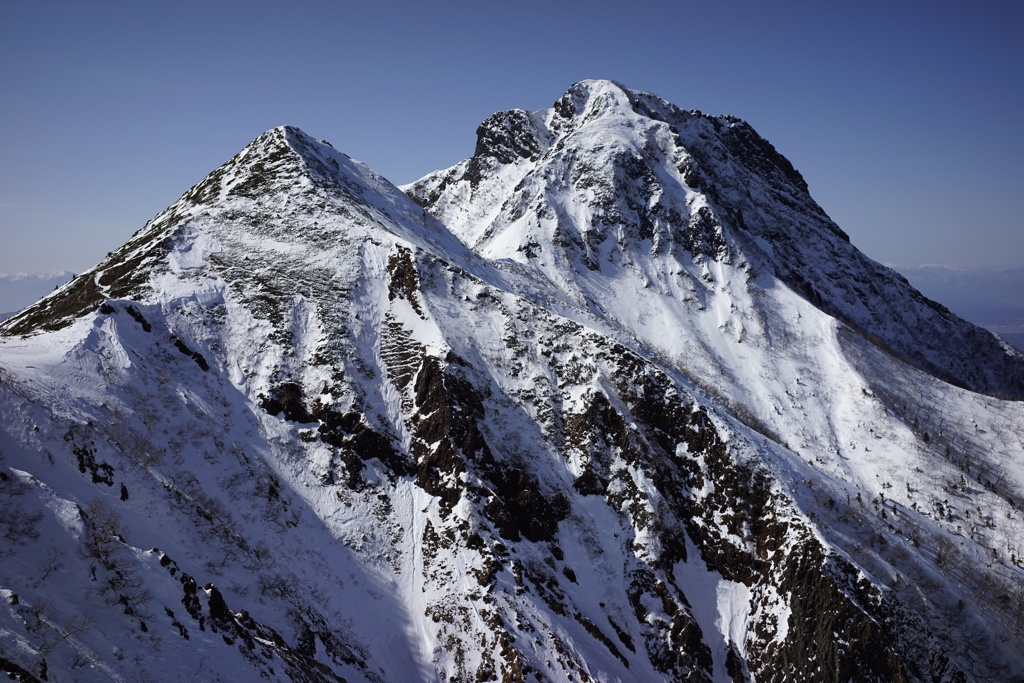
{"x": 612, "y": 400}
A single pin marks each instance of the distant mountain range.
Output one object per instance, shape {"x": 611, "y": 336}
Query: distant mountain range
{"x": 990, "y": 297}
{"x": 611, "y": 400}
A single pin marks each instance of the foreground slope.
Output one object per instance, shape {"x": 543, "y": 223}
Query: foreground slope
{"x": 296, "y": 429}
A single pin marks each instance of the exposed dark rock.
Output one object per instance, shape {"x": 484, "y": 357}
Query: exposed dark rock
{"x": 518, "y": 507}
{"x": 703, "y": 236}
{"x": 286, "y": 398}
{"x": 138, "y": 317}
{"x": 17, "y": 673}
{"x": 445, "y": 431}
{"x": 673, "y": 640}
{"x": 194, "y": 355}
{"x": 508, "y": 135}
{"x": 357, "y": 442}
{"x": 758, "y": 154}
{"x": 403, "y": 280}
{"x": 85, "y": 453}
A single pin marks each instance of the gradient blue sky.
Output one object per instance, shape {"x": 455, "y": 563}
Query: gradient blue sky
{"x": 903, "y": 116}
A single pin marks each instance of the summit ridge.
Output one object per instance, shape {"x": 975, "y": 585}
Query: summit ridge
{"x": 628, "y": 177}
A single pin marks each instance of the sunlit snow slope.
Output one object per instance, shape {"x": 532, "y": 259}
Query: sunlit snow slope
{"x": 661, "y": 422}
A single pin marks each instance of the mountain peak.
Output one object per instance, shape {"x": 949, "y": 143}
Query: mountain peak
{"x": 620, "y": 185}
{"x": 592, "y": 96}
{"x": 291, "y": 137}
{"x": 666, "y": 433}
{"x": 286, "y": 197}
{"x": 284, "y": 153}
{"x": 509, "y": 136}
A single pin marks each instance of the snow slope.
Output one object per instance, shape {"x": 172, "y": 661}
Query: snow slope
{"x": 295, "y": 428}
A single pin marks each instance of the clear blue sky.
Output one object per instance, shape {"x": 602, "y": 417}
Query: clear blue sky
{"x": 905, "y": 117}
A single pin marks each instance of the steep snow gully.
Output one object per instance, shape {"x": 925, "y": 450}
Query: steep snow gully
{"x": 613, "y": 400}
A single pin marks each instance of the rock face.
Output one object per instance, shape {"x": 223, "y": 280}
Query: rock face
{"x": 659, "y": 420}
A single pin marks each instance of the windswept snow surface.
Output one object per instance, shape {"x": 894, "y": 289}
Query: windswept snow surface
{"x": 296, "y": 429}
